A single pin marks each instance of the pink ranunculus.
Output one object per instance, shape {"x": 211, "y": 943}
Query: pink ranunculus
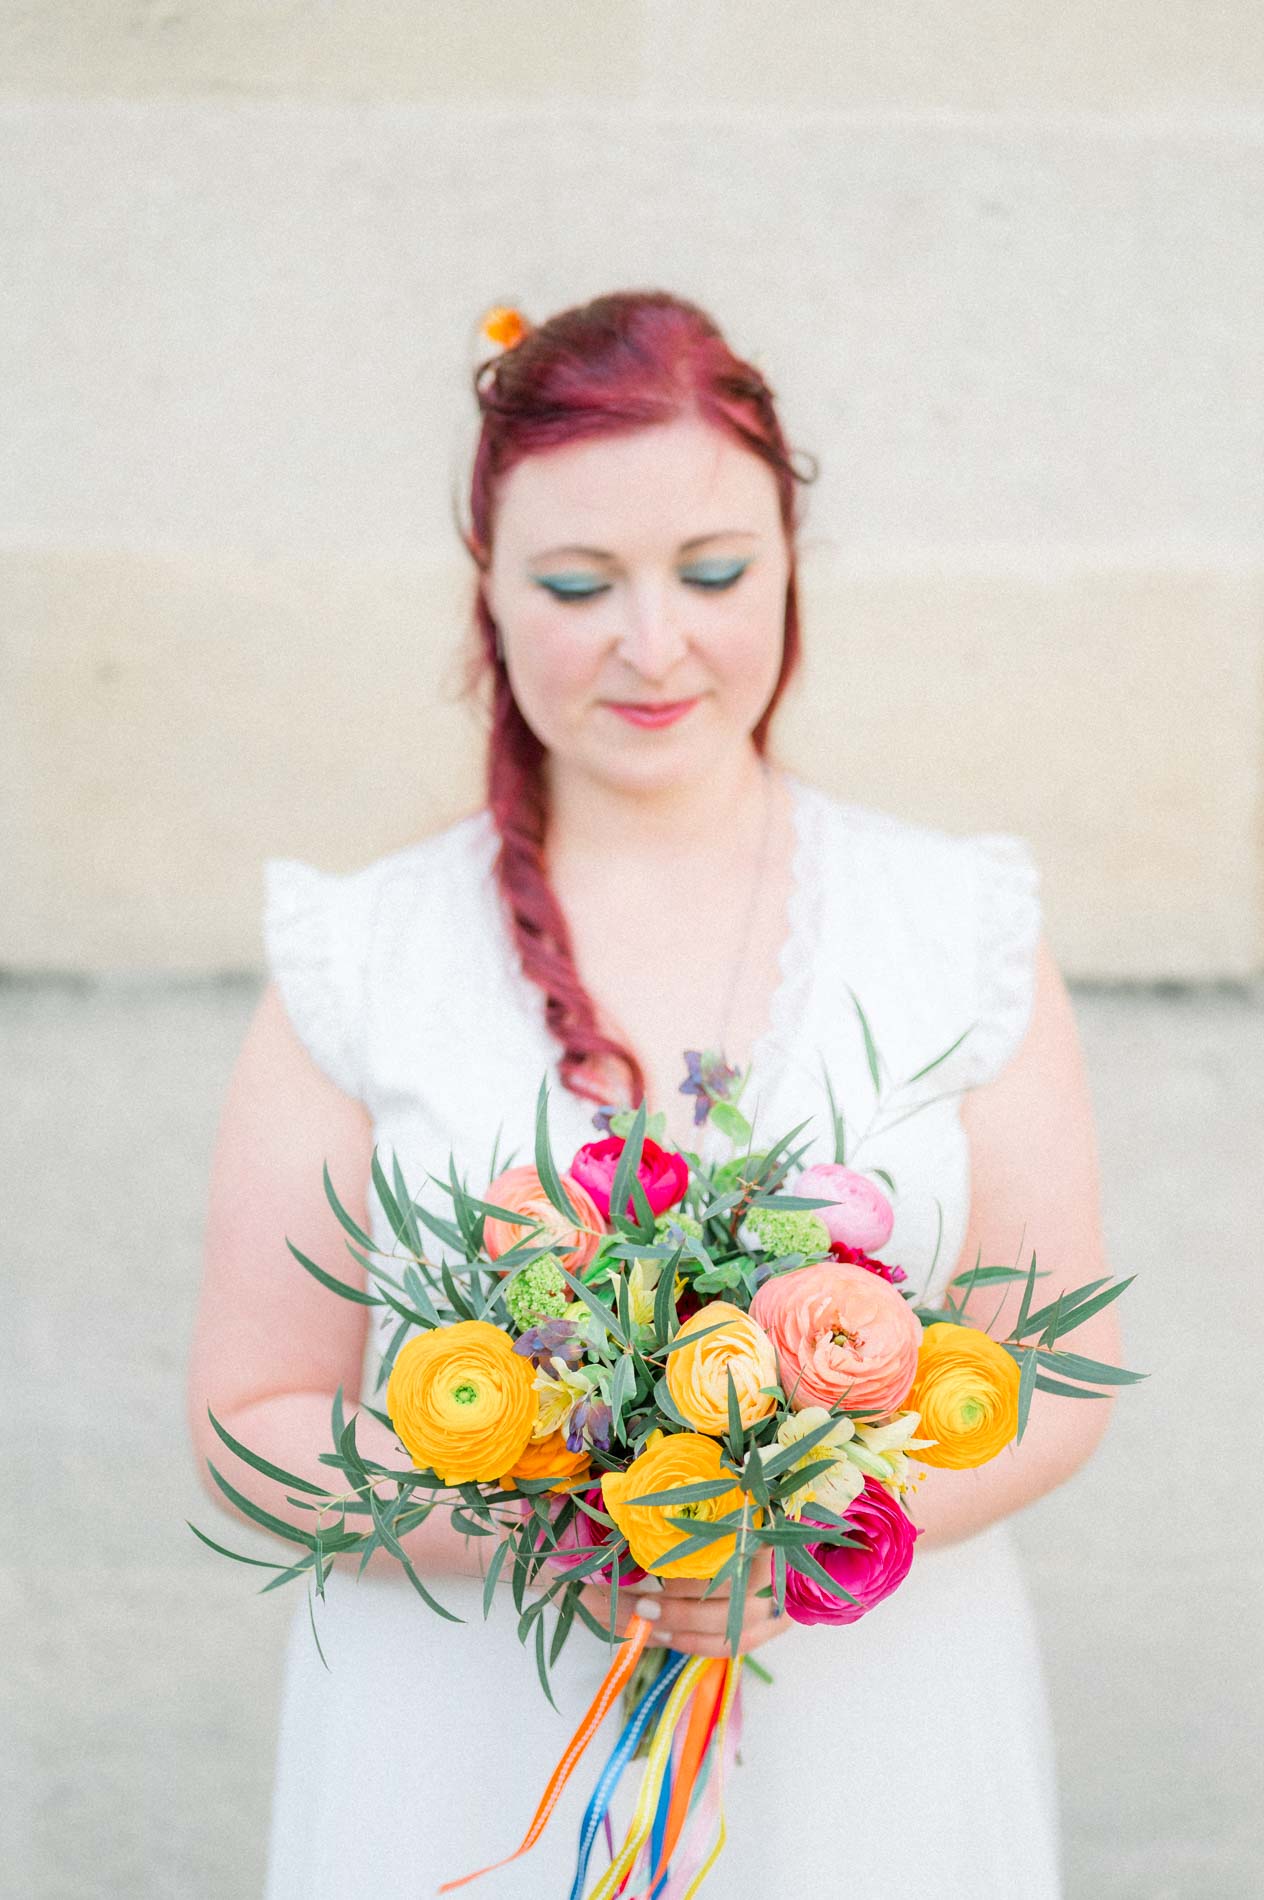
{"x": 843, "y": 1336}
{"x": 582, "y": 1538}
{"x": 663, "y": 1173}
{"x": 869, "y": 1571}
{"x": 861, "y": 1215}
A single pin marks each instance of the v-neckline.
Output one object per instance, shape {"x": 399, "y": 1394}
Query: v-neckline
{"x": 770, "y": 1053}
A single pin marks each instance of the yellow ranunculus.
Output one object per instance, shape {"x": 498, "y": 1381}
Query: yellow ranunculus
{"x": 696, "y": 1373}
{"x": 462, "y": 1401}
{"x": 548, "y": 1458}
{"x": 966, "y": 1391}
{"x": 670, "y": 1460}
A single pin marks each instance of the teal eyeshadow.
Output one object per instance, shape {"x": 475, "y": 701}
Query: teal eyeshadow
{"x": 581, "y": 586}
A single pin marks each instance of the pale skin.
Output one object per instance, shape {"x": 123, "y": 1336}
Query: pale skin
{"x": 683, "y": 802}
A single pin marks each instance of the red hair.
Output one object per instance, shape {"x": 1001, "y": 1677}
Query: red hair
{"x": 617, "y": 363}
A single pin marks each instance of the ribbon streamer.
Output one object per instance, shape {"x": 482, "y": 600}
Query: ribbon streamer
{"x": 612, "y": 1682}
{"x": 598, "y": 1809}
{"x": 616, "y": 1874}
{"x": 703, "y": 1717}
{"x": 680, "y": 1884}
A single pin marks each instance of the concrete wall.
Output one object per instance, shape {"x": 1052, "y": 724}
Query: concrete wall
{"x": 1004, "y": 267}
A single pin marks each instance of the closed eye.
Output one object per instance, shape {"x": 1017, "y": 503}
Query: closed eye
{"x": 712, "y": 576}
{"x": 715, "y": 574}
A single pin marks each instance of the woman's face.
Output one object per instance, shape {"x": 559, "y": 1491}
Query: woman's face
{"x": 638, "y": 570}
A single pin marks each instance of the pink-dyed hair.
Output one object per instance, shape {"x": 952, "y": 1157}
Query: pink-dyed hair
{"x": 617, "y": 363}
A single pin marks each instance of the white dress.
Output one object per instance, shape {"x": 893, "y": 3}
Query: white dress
{"x": 908, "y": 1756}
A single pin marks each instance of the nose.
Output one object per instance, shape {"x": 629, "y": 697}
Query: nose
{"x": 652, "y": 640}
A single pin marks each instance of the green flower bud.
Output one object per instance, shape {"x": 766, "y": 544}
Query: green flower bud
{"x": 537, "y": 1292}
{"x": 794, "y": 1230}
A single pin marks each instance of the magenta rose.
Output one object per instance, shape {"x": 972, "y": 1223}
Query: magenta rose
{"x": 663, "y": 1174}
{"x": 870, "y": 1571}
{"x": 582, "y": 1538}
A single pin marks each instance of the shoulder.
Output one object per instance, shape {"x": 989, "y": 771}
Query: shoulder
{"x": 957, "y": 914}
{"x": 324, "y": 931}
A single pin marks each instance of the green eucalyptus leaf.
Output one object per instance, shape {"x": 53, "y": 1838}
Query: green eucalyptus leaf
{"x": 1072, "y": 1366}
{"x": 340, "y": 1287}
{"x": 872, "y": 1057}
{"x": 258, "y": 1563}
{"x": 950, "y": 1050}
{"x": 1026, "y": 1381}
{"x": 545, "y": 1166}
{"x": 264, "y": 1465}
{"x": 356, "y": 1232}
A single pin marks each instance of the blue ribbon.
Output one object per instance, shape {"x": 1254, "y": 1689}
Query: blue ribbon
{"x": 624, "y": 1749}
{"x": 699, "y": 1787}
{"x": 660, "y": 1825}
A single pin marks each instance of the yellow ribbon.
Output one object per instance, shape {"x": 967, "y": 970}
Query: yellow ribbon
{"x": 652, "y": 1780}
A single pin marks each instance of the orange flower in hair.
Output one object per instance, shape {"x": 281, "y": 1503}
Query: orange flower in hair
{"x": 504, "y": 326}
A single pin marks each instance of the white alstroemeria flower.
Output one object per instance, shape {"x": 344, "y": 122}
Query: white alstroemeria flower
{"x": 888, "y": 1444}
{"x": 835, "y": 1488}
{"x": 559, "y": 1392}
{"x": 643, "y": 1285}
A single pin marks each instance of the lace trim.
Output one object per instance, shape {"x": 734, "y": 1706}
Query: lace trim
{"x": 303, "y": 933}
{"x": 799, "y": 956}
{"x": 1009, "y": 921}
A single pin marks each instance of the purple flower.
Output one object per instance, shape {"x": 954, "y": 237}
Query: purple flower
{"x": 589, "y": 1424}
{"x": 709, "y": 1078}
{"x": 554, "y": 1338}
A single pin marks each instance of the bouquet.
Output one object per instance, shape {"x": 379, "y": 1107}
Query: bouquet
{"x": 641, "y": 1367}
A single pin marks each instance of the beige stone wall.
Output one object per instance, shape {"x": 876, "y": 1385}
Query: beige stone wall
{"x": 1004, "y": 267}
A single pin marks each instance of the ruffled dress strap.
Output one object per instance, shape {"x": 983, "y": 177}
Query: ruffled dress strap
{"x": 317, "y": 931}
{"x": 1006, "y": 919}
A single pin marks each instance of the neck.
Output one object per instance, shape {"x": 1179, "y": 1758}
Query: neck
{"x": 687, "y": 814}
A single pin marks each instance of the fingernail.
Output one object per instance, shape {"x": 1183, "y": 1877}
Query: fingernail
{"x": 650, "y": 1608}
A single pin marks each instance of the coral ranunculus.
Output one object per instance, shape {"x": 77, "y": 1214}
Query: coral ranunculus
{"x": 697, "y": 1374}
{"x": 669, "y": 1461}
{"x": 462, "y": 1401}
{"x": 548, "y": 1458}
{"x": 521, "y": 1191}
{"x": 663, "y": 1173}
{"x": 843, "y": 1337}
{"x": 966, "y": 1390}
{"x": 868, "y": 1571}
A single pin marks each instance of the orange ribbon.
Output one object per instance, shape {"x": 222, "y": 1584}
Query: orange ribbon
{"x": 612, "y": 1682}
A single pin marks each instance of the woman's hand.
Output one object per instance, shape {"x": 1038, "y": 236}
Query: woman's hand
{"x": 688, "y": 1621}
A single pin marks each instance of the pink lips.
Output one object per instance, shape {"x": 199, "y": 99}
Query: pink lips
{"x": 665, "y": 713}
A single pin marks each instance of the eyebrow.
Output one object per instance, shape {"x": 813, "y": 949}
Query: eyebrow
{"x": 603, "y": 554}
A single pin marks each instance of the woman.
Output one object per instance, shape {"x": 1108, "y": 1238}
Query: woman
{"x": 641, "y": 880}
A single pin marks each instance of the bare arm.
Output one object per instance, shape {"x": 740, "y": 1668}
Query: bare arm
{"x": 1034, "y": 1187}
{"x": 271, "y": 1346}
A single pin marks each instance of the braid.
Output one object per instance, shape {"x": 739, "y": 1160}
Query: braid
{"x": 516, "y": 796}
